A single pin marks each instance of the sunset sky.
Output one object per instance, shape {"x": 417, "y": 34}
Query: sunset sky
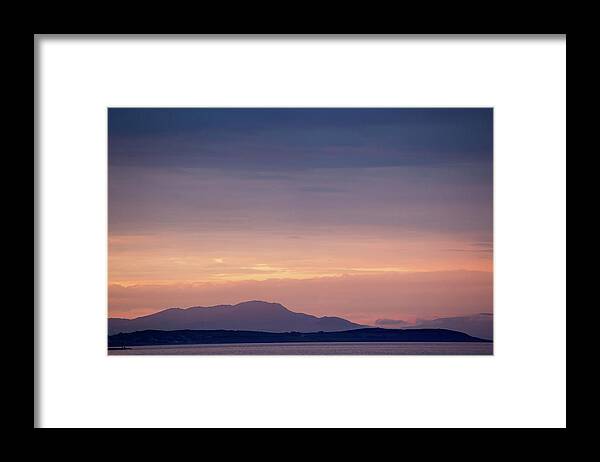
{"x": 365, "y": 214}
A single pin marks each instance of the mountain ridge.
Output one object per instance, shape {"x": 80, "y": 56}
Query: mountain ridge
{"x": 252, "y": 315}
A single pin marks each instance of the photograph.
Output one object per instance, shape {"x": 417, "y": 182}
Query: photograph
{"x": 300, "y": 231}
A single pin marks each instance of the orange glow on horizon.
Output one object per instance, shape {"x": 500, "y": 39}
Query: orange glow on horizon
{"x": 339, "y": 275}
{"x": 176, "y": 258}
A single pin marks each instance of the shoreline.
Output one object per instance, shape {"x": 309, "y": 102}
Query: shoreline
{"x": 316, "y": 343}
{"x": 314, "y": 349}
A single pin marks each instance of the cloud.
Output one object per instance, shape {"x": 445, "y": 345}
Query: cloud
{"x": 391, "y": 323}
{"x": 296, "y": 139}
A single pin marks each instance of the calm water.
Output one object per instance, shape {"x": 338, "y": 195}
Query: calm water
{"x": 346, "y": 348}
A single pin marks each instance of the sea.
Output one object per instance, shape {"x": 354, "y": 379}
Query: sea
{"x": 315, "y": 348}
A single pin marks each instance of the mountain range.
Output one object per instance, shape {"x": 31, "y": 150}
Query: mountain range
{"x": 478, "y": 325}
{"x": 248, "y": 316}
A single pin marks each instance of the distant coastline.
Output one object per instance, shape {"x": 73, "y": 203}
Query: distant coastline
{"x": 199, "y": 337}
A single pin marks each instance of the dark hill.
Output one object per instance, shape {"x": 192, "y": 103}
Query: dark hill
{"x": 189, "y": 337}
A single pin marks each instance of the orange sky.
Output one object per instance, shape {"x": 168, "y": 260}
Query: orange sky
{"x": 418, "y": 276}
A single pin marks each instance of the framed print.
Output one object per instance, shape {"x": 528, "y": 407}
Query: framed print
{"x": 298, "y": 232}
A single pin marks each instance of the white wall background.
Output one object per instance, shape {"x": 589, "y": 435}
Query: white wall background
{"x": 523, "y": 384}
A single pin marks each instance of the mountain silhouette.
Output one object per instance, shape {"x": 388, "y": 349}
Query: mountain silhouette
{"x": 250, "y": 316}
{"x": 479, "y": 325}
